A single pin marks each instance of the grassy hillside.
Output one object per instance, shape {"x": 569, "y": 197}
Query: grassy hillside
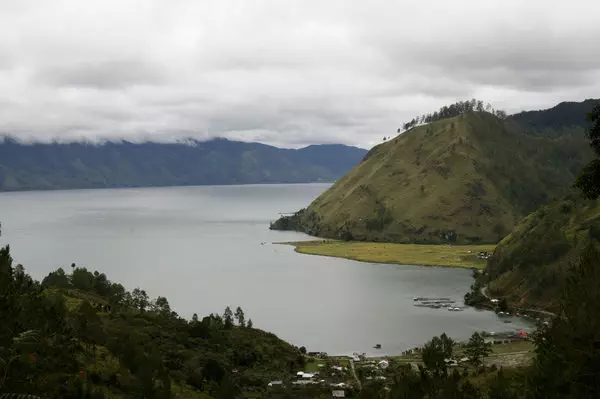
{"x": 466, "y": 179}
{"x": 41, "y": 166}
{"x": 529, "y": 266}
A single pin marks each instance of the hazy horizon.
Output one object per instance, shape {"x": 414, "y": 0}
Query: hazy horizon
{"x": 284, "y": 74}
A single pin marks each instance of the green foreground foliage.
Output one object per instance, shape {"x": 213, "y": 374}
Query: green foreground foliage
{"x": 79, "y": 335}
{"x": 59, "y": 339}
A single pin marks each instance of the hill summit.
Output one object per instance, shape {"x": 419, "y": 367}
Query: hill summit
{"x": 465, "y": 179}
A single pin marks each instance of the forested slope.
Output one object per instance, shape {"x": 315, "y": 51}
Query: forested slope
{"x": 45, "y": 166}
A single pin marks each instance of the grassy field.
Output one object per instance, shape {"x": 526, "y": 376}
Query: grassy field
{"x": 512, "y": 353}
{"x": 517, "y": 346}
{"x": 405, "y": 254}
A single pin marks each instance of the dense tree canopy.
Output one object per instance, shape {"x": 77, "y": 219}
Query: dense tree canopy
{"x": 589, "y": 178}
{"x": 452, "y": 110}
{"x": 80, "y": 335}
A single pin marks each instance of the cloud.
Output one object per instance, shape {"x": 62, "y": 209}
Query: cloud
{"x": 115, "y": 74}
{"x": 286, "y": 73}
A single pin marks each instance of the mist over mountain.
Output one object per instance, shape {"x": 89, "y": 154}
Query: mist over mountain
{"x": 43, "y": 166}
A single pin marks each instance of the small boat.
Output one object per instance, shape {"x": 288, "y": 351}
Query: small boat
{"x": 378, "y": 346}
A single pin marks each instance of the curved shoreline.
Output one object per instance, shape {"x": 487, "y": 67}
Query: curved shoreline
{"x": 458, "y": 256}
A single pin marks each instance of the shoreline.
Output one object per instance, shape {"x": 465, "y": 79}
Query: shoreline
{"x": 431, "y": 255}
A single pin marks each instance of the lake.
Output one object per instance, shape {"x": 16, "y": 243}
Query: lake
{"x": 208, "y": 247}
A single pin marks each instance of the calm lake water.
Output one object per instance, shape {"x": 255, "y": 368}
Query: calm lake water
{"x": 202, "y": 248}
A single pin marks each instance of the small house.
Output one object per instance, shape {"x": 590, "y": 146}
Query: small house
{"x": 338, "y": 393}
{"x": 384, "y": 364}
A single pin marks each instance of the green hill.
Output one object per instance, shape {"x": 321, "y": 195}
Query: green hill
{"x": 529, "y": 266}
{"x": 556, "y": 120}
{"x": 465, "y": 179}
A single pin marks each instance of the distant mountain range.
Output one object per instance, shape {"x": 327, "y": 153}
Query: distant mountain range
{"x": 466, "y": 179}
{"x": 46, "y": 166}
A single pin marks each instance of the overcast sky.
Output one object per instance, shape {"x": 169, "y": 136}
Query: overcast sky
{"x": 283, "y": 72}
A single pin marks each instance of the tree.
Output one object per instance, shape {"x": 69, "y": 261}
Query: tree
{"x": 228, "y": 388}
{"x": 501, "y": 387}
{"x": 503, "y": 305}
{"x": 588, "y": 180}
{"x": 501, "y": 114}
{"x": 139, "y": 299}
{"x": 101, "y": 284}
{"x": 228, "y": 318}
{"x": 82, "y": 279}
{"x": 447, "y": 345}
{"x": 57, "y": 279}
{"x": 213, "y": 371}
{"x": 88, "y": 325}
{"x": 117, "y": 294}
{"x": 249, "y": 325}
{"x": 477, "y": 349}
{"x": 195, "y": 318}
{"x": 480, "y": 106}
{"x": 433, "y": 357}
{"x": 469, "y": 391}
{"x": 303, "y": 350}
{"x": 161, "y": 305}
{"x": 567, "y": 353}
{"x": 239, "y": 316}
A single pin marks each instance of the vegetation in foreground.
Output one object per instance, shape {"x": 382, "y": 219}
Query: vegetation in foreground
{"x": 467, "y": 179}
{"x": 403, "y": 254}
{"x": 561, "y": 362}
{"x": 79, "y": 335}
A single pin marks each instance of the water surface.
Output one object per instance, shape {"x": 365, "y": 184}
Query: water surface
{"x": 208, "y": 247}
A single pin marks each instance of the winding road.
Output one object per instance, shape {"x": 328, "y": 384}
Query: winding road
{"x": 354, "y": 374}
{"x": 484, "y": 290}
